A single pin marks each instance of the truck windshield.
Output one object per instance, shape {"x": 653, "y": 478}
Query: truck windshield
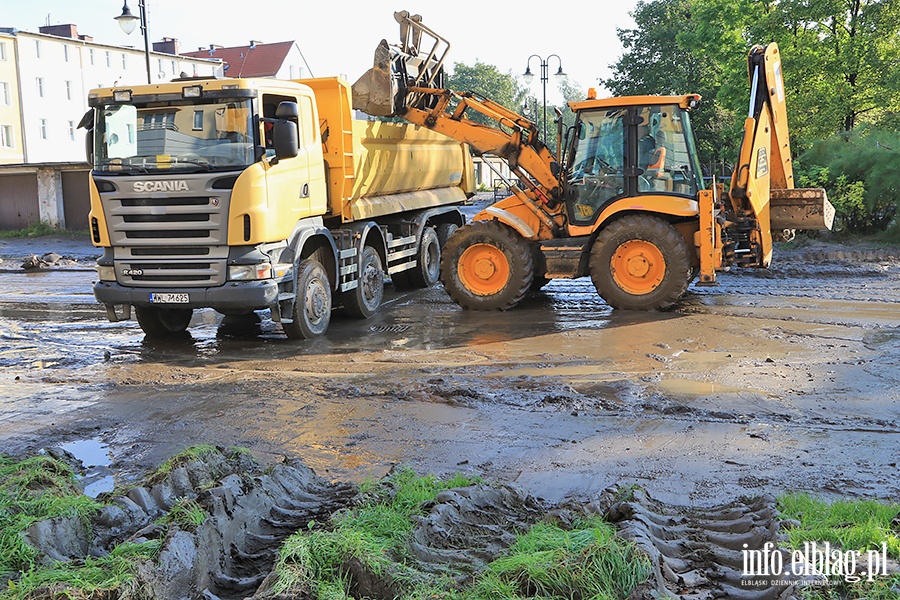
{"x": 217, "y": 135}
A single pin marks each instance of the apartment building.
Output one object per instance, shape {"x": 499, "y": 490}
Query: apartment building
{"x": 45, "y": 78}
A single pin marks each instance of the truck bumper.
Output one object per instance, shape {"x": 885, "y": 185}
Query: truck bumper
{"x": 233, "y": 296}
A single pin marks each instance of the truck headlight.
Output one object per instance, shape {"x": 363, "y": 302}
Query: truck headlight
{"x": 249, "y": 272}
{"x": 106, "y": 273}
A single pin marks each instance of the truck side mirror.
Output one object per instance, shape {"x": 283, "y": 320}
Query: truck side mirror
{"x": 285, "y": 136}
{"x": 285, "y": 139}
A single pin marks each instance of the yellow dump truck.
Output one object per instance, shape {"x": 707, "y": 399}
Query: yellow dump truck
{"x": 249, "y": 194}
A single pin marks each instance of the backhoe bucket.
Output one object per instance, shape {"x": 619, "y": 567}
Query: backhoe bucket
{"x": 383, "y": 90}
{"x": 800, "y": 209}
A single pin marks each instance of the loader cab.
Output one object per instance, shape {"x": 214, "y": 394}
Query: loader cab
{"x": 625, "y": 150}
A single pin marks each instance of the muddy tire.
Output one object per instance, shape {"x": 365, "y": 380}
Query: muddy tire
{"x": 640, "y": 262}
{"x": 312, "y": 305}
{"x": 487, "y": 266}
{"x": 363, "y": 301}
{"x": 159, "y": 323}
{"x": 428, "y": 264}
{"x": 444, "y": 231}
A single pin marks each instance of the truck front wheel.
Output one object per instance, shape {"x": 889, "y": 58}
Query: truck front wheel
{"x": 158, "y": 322}
{"x": 640, "y": 262}
{"x": 312, "y": 303}
{"x": 487, "y": 266}
{"x": 363, "y": 301}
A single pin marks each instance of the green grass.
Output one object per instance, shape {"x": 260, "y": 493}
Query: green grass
{"x": 546, "y": 561}
{"x": 36, "y": 229}
{"x": 186, "y": 514}
{"x": 851, "y": 525}
{"x": 551, "y": 563}
{"x": 32, "y": 490}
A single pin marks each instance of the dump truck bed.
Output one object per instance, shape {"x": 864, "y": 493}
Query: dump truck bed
{"x": 379, "y": 168}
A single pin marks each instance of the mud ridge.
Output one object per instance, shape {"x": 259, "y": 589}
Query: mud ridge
{"x": 696, "y": 553}
{"x": 250, "y": 511}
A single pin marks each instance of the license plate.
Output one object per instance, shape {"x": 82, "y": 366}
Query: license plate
{"x": 169, "y": 298}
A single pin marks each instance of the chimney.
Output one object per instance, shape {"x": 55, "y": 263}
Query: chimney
{"x": 253, "y": 43}
{"x": 167, "y": 46}
{"x": 213, "y": 48}
{"x": 67, "y": 31}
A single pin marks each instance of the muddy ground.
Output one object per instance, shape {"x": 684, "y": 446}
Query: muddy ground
{"x": 776, "y": 380}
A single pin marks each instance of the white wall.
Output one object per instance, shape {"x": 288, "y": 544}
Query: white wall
{"x": 68, "y": 70}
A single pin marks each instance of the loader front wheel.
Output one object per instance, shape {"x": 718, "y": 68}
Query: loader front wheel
{"x": 640, "y": 262}
{"x": 487, "y": 266}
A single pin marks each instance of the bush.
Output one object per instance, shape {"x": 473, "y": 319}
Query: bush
{"x": 861, "y": 172}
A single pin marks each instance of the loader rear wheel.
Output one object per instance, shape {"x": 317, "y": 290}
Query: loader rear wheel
{"x": 487, "y": 266}
{"x": 640, "y": 262}
{"x": 159, "y": 323}
{"x": 312, "y": 304}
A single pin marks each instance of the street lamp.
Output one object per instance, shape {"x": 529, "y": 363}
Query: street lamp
{"x": 528, "y": 76}
{"x": 128, "y": 21}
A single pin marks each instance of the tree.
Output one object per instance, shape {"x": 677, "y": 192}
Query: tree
{"x": 659, "y": 59}
{"x": 487, "y": 81}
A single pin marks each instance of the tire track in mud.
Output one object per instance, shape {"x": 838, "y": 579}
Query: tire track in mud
{"x": 698, "y": 553}
{"x": 695, "y": 553}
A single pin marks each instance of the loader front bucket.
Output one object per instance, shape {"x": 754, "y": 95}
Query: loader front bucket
{"x": 799, "y": 208}
{"x": 416, "y": 62}
{"x": 375, "y": 93}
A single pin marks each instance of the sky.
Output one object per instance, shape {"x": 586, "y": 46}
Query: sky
{"x": 339, "y": 37}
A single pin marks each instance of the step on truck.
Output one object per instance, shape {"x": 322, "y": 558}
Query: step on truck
{"x": 249, "y": 194}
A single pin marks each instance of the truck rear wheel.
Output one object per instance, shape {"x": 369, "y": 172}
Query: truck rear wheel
{"x": 428, "y": 264}
{"x": 487, "y": 266}
{"x": 363, "y": 301}
{"x": 158, "y": 322}
{"x": 640, "y": 262}
{"x": 444, "y": 231}
{"x": 312, "y": 304}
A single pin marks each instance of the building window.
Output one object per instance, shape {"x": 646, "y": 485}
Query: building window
{"x": 37, "y": 48}
{"x": 66, "y": 52}
{"x": 159, "y": 68}
{"x": 4, "y": 93}
{"x": 2, "y": 50}
{"x": 40, "y": 86}
{"x": 68, "y": 90}
{"x": 174, "y": 67}
{"x": 108, "y": 59}
{"x": 72, "y": 130}
{"x": 91, "y": 54}
{"x": 124, "y": 61}
{"x": 6, "y": 136}
{"x": 198, "y": 120}
{"x": 195, "y": 70}
{"x": 43, "y": 129}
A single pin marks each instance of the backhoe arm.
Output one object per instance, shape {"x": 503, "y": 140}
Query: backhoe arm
{"x": 763, "y": 199}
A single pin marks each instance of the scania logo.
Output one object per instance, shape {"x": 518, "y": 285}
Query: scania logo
{"x": 161, "y": 186}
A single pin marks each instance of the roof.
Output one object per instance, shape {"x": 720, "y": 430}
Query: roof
{"x": 260, "y": 60}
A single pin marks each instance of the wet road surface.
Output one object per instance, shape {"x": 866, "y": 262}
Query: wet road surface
{"x": 775, "y": 380}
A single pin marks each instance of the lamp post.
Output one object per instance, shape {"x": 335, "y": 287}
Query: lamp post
{"x": 128, "y": 21}
{"x": 528, "y": 76}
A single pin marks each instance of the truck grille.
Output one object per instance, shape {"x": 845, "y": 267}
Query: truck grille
{"x": 176, "y": 241}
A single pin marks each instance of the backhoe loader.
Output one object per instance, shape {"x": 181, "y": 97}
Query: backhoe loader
{"x": 622, "y": 199}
